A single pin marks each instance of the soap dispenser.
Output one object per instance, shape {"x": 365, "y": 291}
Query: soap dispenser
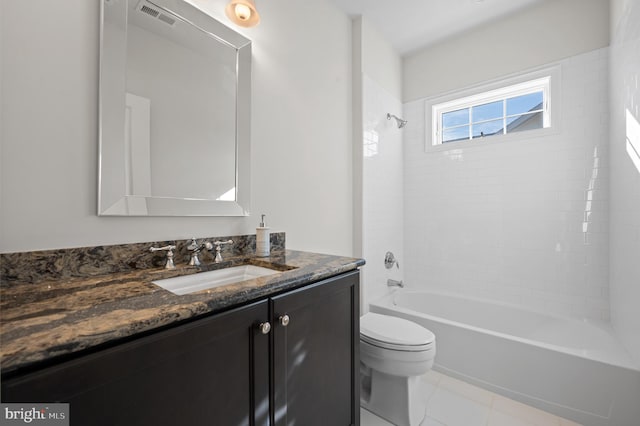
{"x": 263, "y": 242}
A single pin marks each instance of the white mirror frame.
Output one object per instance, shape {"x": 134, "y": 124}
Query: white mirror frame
{"x": 113, "y": 199}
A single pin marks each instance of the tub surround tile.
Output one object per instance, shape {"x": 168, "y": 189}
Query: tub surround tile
{"x": 509, "y": 218}
{"x": 63, "y": 314}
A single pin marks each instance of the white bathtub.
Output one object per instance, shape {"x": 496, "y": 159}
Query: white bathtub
{"x": 574, "y": 369}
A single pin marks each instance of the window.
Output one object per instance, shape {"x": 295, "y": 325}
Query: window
{"x": 516, "y": 108}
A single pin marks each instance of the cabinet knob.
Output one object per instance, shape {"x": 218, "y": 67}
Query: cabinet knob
{"x": 284, "y": 320}
{"x": 265, "y": 327}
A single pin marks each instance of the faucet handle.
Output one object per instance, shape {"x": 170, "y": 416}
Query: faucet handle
{"x": 390, "y": 260}
{"x": 169, "y": 249}
{"x": 193, "y": 245}
{"x": 195, "y": 249}
{"x": 218, "y": 258}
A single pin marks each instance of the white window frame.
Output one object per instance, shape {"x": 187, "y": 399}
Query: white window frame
{"x": 546, "y": 80}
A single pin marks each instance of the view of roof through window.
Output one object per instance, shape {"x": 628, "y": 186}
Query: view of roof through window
{"x": 507, "y": 110}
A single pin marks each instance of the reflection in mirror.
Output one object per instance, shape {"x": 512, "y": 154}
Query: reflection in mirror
{"x": 174, "y": 112}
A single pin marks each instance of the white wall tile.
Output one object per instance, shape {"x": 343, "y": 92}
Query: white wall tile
{"x": 382, "y": 190}
{"x": 625, "y": 175}
{"x": 504, "y": 220}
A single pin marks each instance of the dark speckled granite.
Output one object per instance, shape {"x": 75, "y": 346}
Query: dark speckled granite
{"x": 36, "y": 266}
{"x": 62, "y": 313}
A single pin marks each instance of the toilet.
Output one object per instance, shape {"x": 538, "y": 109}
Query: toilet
{"x": 394, "y": 353}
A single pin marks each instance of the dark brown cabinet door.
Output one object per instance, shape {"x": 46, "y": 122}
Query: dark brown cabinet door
{"x": 315, "y": 354}
{"x": 213, "y": 371}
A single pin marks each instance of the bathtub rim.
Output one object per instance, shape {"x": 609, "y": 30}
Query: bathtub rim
{"x": 388, "y": 301}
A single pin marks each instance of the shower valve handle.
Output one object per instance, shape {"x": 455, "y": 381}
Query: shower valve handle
{"x": 390, "y": 260}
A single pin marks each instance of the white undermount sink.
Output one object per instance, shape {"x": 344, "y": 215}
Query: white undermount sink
{"x": 204, "y": 280}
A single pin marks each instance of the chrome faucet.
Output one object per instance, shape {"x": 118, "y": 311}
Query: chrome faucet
{"x": 169, "y": 249}
{"x": 395, "y": 283}
{"x": 218, "y": 245}
{"x": 390, "y": 260}
{"x": 195, "y": 249}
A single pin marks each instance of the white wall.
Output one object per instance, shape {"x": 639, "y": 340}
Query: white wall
{"x": 625, "y": 173}
{"x": 511, "y": 221}
{"x": 379, "y": 59}
{"x": 543, "y": 33}
{"x": 301, "y": 130}
{"x": 378, "y": 143}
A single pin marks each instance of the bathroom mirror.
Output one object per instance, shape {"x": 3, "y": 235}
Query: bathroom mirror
{"x": 174, "y": 112}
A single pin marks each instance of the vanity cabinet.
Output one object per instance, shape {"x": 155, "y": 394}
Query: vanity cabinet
{"x": 316, "y": 354}
{"x": 289, "y": 359}
{"x": 211, "y": 371}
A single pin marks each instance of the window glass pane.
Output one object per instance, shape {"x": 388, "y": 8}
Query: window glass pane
{"x": 487, "y": 111}
{"x": 455, "y": 118}
{"x": 515, "y": 108}
{"x": 524, "y": 103}
{"x": 455, "y": 134}
{"x": 488, "y": 128}
{"x": 525, "y": 122}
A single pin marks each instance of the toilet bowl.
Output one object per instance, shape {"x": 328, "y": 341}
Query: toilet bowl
{"x": 394, "y": 353}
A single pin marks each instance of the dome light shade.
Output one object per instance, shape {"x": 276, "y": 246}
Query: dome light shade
{"x": 243, "y": 13}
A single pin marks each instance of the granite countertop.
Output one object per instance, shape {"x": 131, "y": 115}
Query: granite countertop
{"x": 43, "y": 320}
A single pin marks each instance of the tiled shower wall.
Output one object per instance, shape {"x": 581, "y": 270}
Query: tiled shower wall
{"x": 521, "y": 221}
{"x": 625, "y": 175}
{"x": 382, "y": 189}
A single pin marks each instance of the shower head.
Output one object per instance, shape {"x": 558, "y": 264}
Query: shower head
{"x": 400, "y": 121}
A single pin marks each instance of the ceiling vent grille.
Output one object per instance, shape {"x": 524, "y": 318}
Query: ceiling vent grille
{"x": 154, "y": 12}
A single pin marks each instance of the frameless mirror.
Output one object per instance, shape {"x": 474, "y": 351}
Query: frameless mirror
{"x": 174, "y": 112}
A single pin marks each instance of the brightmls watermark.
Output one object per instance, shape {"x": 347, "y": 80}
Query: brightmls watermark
{"x": 35, "y": 414}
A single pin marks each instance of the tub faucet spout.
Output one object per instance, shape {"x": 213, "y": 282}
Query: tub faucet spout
{"x": 395, "y": 283}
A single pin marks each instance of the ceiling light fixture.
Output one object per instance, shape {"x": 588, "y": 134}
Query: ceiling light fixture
{"x": 243, "y": 13}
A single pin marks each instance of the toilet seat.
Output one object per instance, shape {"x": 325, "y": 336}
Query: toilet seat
{"x": 395, "y": 333}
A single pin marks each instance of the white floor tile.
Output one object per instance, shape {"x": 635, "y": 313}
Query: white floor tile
{"x": 433, "y": 377}
{"x": 455, "y": 410}
{"x": 498, "y": 418}
{"x": 452, "y": 402}
{"x": 525, "y": 412}
{"x": 427, "y": 390}
{"x": 367, "y": 418}
{"x": 467, "y": 390}
{"x": 428, "y": 421}
{"x": 565, "y": 422}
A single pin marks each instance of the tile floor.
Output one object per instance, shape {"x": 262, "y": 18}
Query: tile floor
{"x": 451, "y": 402}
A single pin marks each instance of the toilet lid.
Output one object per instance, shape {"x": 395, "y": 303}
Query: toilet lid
{"x": 393, "y": 332}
